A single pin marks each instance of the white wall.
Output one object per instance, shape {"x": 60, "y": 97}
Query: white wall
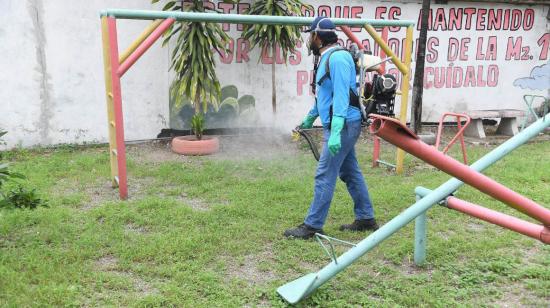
{"x": 51, "y": 78}
{"x": 496, "y": 82}
{"x": 52, "y": 86}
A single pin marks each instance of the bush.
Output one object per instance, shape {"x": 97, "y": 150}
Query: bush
{"x": 19, "y": 197}
{"x": 22, "y": 198}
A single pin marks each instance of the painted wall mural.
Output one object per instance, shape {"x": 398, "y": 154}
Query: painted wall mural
{"x": 479, "y": 56}
{"x": 539, "y": 79}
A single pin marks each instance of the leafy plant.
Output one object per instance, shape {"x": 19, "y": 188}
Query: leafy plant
{"x": 22, "y": 198}
{"x": 18, "y": 197}
{"x": 6, "y": 174}
{"x": 233, "y": 109}
{"x": 271, "y": 36}
{"x": 2, "y": 133}
{"x": 197, "y": 125}
{"x": 192, "y": 56}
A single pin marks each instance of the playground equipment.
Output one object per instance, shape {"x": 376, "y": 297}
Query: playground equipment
{"x": 398, "y": 134}
{"x": 458, "y": 135}
{"x": 116, "y": 65}
{"x": 529, "y": 100}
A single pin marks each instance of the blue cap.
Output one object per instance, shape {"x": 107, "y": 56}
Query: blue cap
{"x": 322, "y": 24}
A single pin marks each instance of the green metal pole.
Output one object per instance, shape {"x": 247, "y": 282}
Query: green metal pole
{"x": 300, "y": 288}
{"x": 420, "y": 237}
{"x": 247, "y": 19}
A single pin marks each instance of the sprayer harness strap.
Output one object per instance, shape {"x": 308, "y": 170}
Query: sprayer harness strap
{"x": 353, "y": 98}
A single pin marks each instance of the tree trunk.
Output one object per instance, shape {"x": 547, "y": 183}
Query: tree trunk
{"x": 418, "y": 84}
{"x": 273, "y": 86}
{"x": 197, "y": 103}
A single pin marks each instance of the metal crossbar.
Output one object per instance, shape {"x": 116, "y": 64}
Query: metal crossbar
{"x": 331, "y": 253}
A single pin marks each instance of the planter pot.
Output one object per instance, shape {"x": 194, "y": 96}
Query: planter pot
{"x": 189, "y": 145}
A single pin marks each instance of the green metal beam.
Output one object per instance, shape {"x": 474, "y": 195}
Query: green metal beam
{"x": 300, "y": 288}
{"x": 247, "y": 19}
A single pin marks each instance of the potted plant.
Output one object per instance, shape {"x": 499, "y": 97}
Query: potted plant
{"x": 269, "y": 37}
{"x": 193, "y": 63}
{"x": 196, "y": 144}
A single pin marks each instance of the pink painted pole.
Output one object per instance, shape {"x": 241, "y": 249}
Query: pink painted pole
{"x": 375, "y": 151}
{"x": 117, "y": 100}
{"x": 400, "y": 135}
{"x": 351, "y": 36}
{"x": 385, "y": 32}
{"x": 506, "y": 221}
{"x": 356, "y": 40}
{"x": 382, "y": 70}
{"x": 459, "y": 134}
{"x": 144, "y": 46}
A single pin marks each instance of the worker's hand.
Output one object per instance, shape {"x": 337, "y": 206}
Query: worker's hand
{"x": 335, "y": 140}
{"x": 307, "y": 122}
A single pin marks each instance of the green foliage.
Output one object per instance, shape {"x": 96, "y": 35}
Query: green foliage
{"x": 232, "y": 110}
{"x": 192, "y": 56}
{"x": 207, "y": 232}
{"x": 197, "y": 125}
{"x": 230, "y": 91}
{"x": 6, "y": 174}
{"x": 231, "y": 102}
{"x": 2, "y": 133}
{"x": 246, "y": 102}
{"x": 22, "y": 198}
{"x": 268, "y": 36}
{"x": 19, "y": 197}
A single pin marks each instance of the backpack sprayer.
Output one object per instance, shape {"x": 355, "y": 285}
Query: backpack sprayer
{"x": 376, "y": 97}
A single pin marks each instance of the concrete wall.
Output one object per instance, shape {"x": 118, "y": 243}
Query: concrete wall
{"x": 474, "y": 61}
{"x": 52, "y": 85}
{"x": 51, "y": 76}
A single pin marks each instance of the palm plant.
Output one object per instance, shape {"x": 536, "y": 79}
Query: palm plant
{"x": 270, "y": 36}
{"x": 192, "y": 57}
{"x": 197, "y": 125}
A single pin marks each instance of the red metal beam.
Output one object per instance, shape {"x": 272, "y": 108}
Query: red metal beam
{"x": 400, "y": 135}
{"x": 356, "y": 40}
{"x": 459, "y": 134}
{"x": 117, "y": 101}
{"x": 144, "y": 46}
{"x": 535, "y": 231}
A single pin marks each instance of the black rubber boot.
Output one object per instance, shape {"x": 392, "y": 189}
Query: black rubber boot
{"x": 303, "y": 232}
{"x": 361, "y": 225}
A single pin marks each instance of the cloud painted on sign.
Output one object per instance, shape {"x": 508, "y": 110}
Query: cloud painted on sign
{"x": 539, "y": 79}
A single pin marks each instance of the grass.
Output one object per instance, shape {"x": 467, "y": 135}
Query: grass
{"x": 207, "y": 232}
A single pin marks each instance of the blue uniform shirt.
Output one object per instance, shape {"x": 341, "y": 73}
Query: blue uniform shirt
{"x": 335, "y": 91}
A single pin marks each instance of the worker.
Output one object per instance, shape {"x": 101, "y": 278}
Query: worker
{"x": 341, "y": 121}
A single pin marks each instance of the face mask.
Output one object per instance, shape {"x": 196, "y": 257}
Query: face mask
{"x": 312, "y": 48}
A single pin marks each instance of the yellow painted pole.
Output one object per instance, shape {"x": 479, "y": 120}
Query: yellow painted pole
{"x": 150, "y": 28}
{"x": 403, "y": 68}
{"x": 405, "y": 94}
{"x": 109, "y": 96}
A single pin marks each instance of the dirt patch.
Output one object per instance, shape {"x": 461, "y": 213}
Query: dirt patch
{"x": 103, "y": 191}
{"x": 249, "y": 268}
{"x": 233, "y": 147}
{"x": 531, "y": 253}
{"x": 407, "y": 267}
{"x": 109, "y": 264}
{"x": 263, "y": 147}
{"x": 514, "y": 295}
{"x": 132, "y": 228}
{"x": 195, "y": 204}
{"x": 154, "y": 152}
{"x": 476, "y": 227}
